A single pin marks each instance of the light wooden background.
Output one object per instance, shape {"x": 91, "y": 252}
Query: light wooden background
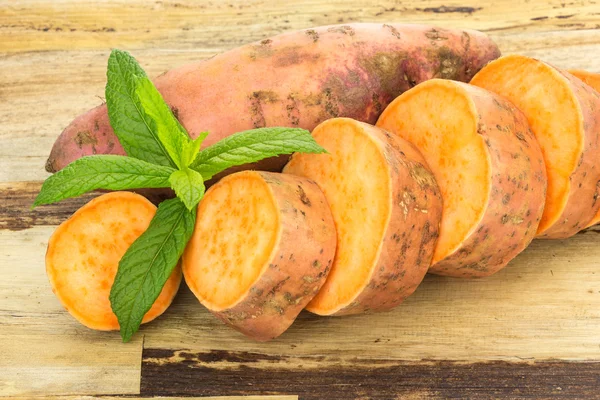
{"x": 531, "y": 330}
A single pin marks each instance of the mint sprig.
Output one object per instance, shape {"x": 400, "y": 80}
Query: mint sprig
{"x": 252, "y": 146}
{"x": 102, "y": 172}
{"x": 160, "y": 154}
{"x": 148, "y": 264}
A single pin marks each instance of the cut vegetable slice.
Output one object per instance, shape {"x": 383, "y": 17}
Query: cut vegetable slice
{"x": 489, "y": 168}
{"x": 262, "y": 247}
{"x": 562, "y": 112}
{"x": 84, "y": 253}
{"x": 593, "y": 80}
{"x": 386, "y": 207}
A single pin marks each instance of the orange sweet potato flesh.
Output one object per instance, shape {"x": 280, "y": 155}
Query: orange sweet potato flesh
{"x": 593, "y": 80}
{"x": 563, "y": 114}
{"x": 386, "y": 207}
{"x": 489, "y": 168}
{"x": 296, "y": 79}
{"x": 262, "y": 247}
{"x": 84, "y": 252}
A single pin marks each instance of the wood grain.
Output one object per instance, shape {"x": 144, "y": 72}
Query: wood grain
{"x": 167, "y": 372}
{"x": 71, "y": 40}
{"x": 530, "y": 331}
{"x": 43, "y": 350}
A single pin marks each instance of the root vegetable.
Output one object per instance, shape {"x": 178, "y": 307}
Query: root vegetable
{"x": 386, "y": 207}
{"x": 262, "y": 247}
{"x": 489, "y": 168}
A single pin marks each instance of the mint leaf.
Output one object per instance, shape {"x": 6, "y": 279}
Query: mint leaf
{"x": 188, "y": 186}
{"x": 148, "y": 263}
{"x": 251, "y": 146}
{"x": 102, "y": 172}
{"x": 191, "y": 149}
{"x": 135, "y": 128}
{"x": 163, "y": 123}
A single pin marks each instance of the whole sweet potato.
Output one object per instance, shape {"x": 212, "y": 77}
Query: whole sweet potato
{"x": 387, "y": 210}
{"x": 295, "y": 79}
{"x": 564, "y": 115}
{"x": 262, "y": 247}
{"x": 489, "y": 168}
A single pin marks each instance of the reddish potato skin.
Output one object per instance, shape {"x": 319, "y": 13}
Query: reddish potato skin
{"x": 299, "y": 267}
{"x": 296, "y": 79}
{"x": 583, "y": 203}
{"x": 412, "y": 232}
{"x": 517, "y": 196}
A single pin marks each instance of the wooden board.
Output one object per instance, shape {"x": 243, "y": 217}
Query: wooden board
{"x": 531, "y": 331}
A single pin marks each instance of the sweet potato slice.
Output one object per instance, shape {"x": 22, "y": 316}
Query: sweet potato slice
{"x": 489, "y": 168}
{"x": 593, "y": 80}
{"x": 386, "y": 207}
{"x": 563, "y": 114}
{"x": 84, "y": 253}
{"x": 262, "y": 247}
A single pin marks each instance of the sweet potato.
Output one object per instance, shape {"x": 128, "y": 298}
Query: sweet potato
{"x": 261, "y": 249}
{"x": 563, "y": 113}
{"x": 295, "y": 79}
{"x": 386, "y": 207}
{"x": 84, "y": 252}
{"x": 589, "y": 78}
{"x": 489, "y": 168}
{"x": 593, "y": 80}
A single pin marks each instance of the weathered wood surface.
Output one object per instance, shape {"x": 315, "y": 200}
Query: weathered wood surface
{"x": 531, "y": 331}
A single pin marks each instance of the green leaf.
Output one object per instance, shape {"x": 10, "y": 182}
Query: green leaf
{"x": 169, "y": 131}
{"x": 191, "y": 149}
{"x": 251, "y": 146}
{"x": 133, "y": 106}
{"x": 188, "y": 186}
{"x": 102, "y": 172}
{"x": 148, "y": 263}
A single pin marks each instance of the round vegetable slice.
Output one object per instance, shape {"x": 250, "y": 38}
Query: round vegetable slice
{"x": 386, "y": 207}
{"x": 261, "y": 249}
{"x": 489, "y": 168}
{"x": 562, "y": 112}
{"x": 84, "y": 252}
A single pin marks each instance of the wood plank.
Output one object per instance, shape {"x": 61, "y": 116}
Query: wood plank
{"x": 166, "y": 372}
{"x": 44, "y": 350}
{"x": 260, "y": 397}
{"x": 33, "y": 25}
{"x": 544, "y": 305}
{"x": 76, "y": 36}
{"x": 16, "y": 212}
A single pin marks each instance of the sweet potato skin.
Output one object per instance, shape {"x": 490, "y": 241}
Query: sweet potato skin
{"x": 314, "y": 74}
{"x": 592, "y": 80}
{"x": 518, "y": 192}
{"x": 518, "y": 187}
{"x": 582, "y": 203}
{"x": 412, "y": 230}
{"x": 412, "y": 233}
{"x": 298, "y": 267}
{"x": 102, "y": 205}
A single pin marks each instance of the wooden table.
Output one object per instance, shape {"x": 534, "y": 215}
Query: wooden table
{"x": 530, "y": 331}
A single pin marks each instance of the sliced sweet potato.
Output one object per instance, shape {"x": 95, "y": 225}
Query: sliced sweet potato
{"x": 589, "y": 78}
{"x": 563, "y": 114}
{"x": 262, "y": 247}
{"x": 593, "y": 80}
{"x": 386, "y": 207}
{"x": 489, "y": 168}
{"x": 84, "y": 253}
